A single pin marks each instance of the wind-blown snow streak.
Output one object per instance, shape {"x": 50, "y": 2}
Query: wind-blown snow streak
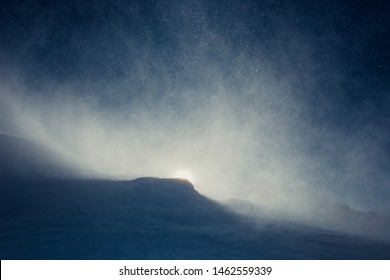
{"x": 252, "y": 112}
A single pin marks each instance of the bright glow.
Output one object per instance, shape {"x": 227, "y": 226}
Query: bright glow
{"x": 184, "y": 174}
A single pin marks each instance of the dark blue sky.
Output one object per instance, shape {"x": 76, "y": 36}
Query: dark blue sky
{"x": 301, "y": 85}
{"x": 62, "y": 41}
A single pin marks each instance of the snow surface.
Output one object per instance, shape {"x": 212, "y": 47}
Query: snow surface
{"x": 151, "y": 218}
{"x": 60, "y": 217}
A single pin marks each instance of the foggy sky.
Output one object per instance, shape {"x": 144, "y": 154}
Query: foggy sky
{"x": 277, "y": 102}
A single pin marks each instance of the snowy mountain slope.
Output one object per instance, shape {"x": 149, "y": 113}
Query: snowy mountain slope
{"x": 148, "y": 218}
{"x": 21, "y": 158}
{"x": 151, "y": 218}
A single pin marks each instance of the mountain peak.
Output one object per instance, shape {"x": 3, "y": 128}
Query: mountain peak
{"x": 164, "y": 182}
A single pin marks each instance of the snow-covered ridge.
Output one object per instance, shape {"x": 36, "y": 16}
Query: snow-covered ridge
{"x": 67, "y": 217}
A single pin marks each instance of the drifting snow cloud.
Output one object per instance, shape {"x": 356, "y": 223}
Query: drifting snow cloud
{"x": 243, "y": 97}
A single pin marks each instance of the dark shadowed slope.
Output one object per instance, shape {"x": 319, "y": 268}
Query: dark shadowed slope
{"x": 148, "y": 218}
{"x": 21, "y": 158}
